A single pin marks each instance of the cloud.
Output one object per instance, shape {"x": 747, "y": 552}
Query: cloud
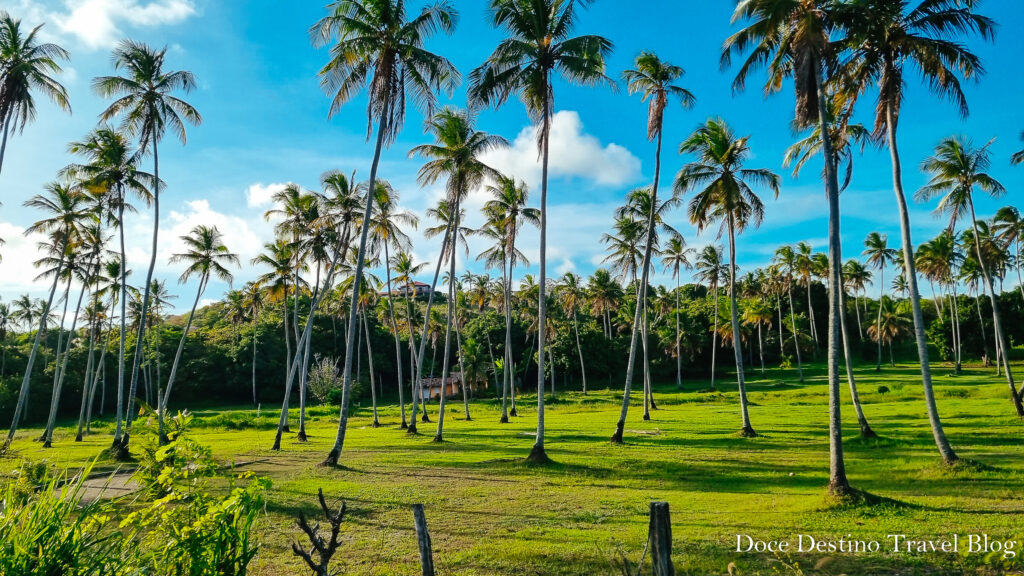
{"x": 19, "y": 251}
{"x": 98, "y": 23}
{"x": 573, "y": 153}
{"x": 259, "y": 195}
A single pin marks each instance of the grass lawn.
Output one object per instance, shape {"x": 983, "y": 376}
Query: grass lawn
{"x": 489, "y": 513}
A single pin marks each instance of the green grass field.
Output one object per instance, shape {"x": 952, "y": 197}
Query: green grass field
{"x": 489, "y": 513}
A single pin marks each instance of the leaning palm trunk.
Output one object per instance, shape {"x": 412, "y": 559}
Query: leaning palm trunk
{"x": 287, "y": 360}
{"x": 641, "y": 299}
{"x": 796, "y": 335}
{"x": 838, "y": 485}
{"x": 100, "y": 372}
{"x": 747, "y": 431}
{"x": 23, "y": 391}
{"x": 165, "y": 399}
{"x": 346, "y": 394}
{"x": 59, "y": 354}
{"x": 945, "y": 450}
{"x": 414, "y": 396}
{"x": 303, "y": 385}
{"x": 579, "y": 350}
{"x": 878, "y": 321}
{"x": 3, "y": 144}
{"x": 373, "y": 379}
{"x": 89, "y": 365}
{"x": 448, "y": 237}
{"x": 997, "y": 320}
{"x": 462, "y": 370}
{"x": 439, "y": 435}
{"x": 394, "y": 330}
{"x": 123, "y": 450}
{"x": 63, "y": 366}
{"x": 862, "y": 421}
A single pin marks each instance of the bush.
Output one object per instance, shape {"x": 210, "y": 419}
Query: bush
{"x": 324, "y": 379}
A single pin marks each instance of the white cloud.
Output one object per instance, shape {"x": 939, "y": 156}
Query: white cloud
{"x": 259, "y": 195}
{"x": 19, "y": 251}
{"x": 573, "y": 153}
{"x": 98, "y": 23}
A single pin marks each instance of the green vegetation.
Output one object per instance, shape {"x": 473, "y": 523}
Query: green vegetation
{"x": 490, "y": 513}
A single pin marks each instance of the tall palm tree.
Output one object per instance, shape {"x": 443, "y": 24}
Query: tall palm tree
{"x": 956, "y": 169}
{"x": 791, "y": 38}
{"x": 253, "y": 302}
{"x": 507, "y": 213}
{"x": 455, "y": 156}
{"x": 111, "y": 164}
{"x": 786, "y": 259}
{"x": 655, "y": 80}
{"x": 539, "y": 45}
{"x": 26, "y": 66}
{"x": 144, "y": 99}
{"x": 406, "y": 270}
{"x": 205, "y": 256}
{"x": 878, "y": 253}
{"x": 724, "y": 196}
{"x": 1008, "y": 225}
{"x": 883, "y": 39}
{"x": 855, "y": 278}
{"x": 378, "y": 47}
{"x": 807, "y": 267}
{"x": 279, "y": 256}
{"x": 65, "y": 207}
{"x": 676, "y": 256}
{"x": 385, "y": 233}
{"x": 893, "y": 327}
{"x": 711, "y": 271}
{"x": 570, "y": 294}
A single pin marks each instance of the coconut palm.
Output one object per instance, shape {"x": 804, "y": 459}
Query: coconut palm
{"x": 26, "y": 66}
{"x": 711, "y": 271}
{"x": 66, "y": 207}
{"x": 808, "y": 268}
{"x": 206, "y": 256}
{"x": 676, "y": 256}
{"x": 144, "y": 99}
{"x": 725, "y": 197}
{"x": 455, "y": 156}
{"x": 883, "y": 38}
{"x": 378, "y": 47}
{"x": 892, "y": 328}
{"x": 111, "y": 164}
{"x": 507, "y": 213}
{"x": 878, "y": 254}
{"x": 786, "y": 259}
{"x": 405, "y": 272}
{"x": 539, "y": 46}
{"x": 1008, "y": 225}
{"x": 855, "y": 278}
{"x": 957, "y": 168}
{"x": 279, "y": 256}
{"x": 571, "y": 296}
{"x": 253, "y": 303}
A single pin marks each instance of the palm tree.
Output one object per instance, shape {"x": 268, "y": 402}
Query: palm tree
{"x": 786, "y": 259}
{"x": 1018, "y": 157}
{"x": 1008, "y": 225}
{"x": 676, "y": 256}
{"x": 253, "y": 302}
{"x": 66, "y": 208}
{"x": 792, "y": 39}
{"x": 144, "y": 99}
{"x": 807, "y": 267}
{"x": 570, "y": 294}
{"x": 405, "y": 271}
{"x": 878, "y": 253}
{"x": 455, "y": 155}
{"x": 711, "y": 271}
{"x": 893, "y": 327}
{"x": 279, "y": 257}
{"x": 956, "y": 169}
{"x": 855, "y": 278}
{"x": 883, "y": 39}
{"x": 26, "y": 65}
{"x": 655, "y": 80}
{"x": 378, "y": 47}
{"x": 725, "y": 196}
{"x": 539, "y": 46}
{"x": 386, "y": 232}
{"x": 112, "y": 165}
{"x": 205, "y": 256}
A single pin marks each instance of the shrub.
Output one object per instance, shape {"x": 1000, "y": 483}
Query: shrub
{"x": 883, "y": 389}
{"x": 324, "y": 379}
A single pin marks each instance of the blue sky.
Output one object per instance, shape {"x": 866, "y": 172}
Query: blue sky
{"x": 265, "y": 124}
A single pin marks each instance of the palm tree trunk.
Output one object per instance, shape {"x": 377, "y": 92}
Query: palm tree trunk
{"x": 23, "y": 391}
{"x": 413, "y": 392}
{"x": 878, "y": 322}
{"x": 537, "y": 453}
{"x": 760, "y": 346}
{"x": 747, "y": 431}
{"x": 810, "y": 315}
{"x": 462, "y": 369}
{"x": 59, "y": 352}
{"x": 373, "y": 379}
{"x": 394, "y": 329}
{"x": 838, "y": 485}
{"x": 439, "y": 435}
{"x": 123, "y": 334}
{"x": 510, "y": 357}
{"x": 346, "y": 396}
{"x": 162, "y": 407}
{"x": 89, "y": 365}
{"x": 579, "y": 350}
{"x": 3, "y": 145}
{"x": 63, "y": 365}
{"x": 862, "y": 421}
{"x": 506, "y": 375}
{"x": 996, "y": 316}
{"x": 945, "y": 450}
{"x": 283, "y": 420}
{"x": 796, "y": 335}
{"x": 255, "y": 336}
{"x": 856, "y": 307}
{"x": 679, "y": 356}
{"x": 955, "y": 305}
{"x": 304, "y": 382}
{"x": 714, "y": 340}
{"x": 125, "y": 440}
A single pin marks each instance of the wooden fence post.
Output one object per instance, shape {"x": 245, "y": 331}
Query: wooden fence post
{"x": 661, "y": 540}
{"x": 423, "y": 540}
